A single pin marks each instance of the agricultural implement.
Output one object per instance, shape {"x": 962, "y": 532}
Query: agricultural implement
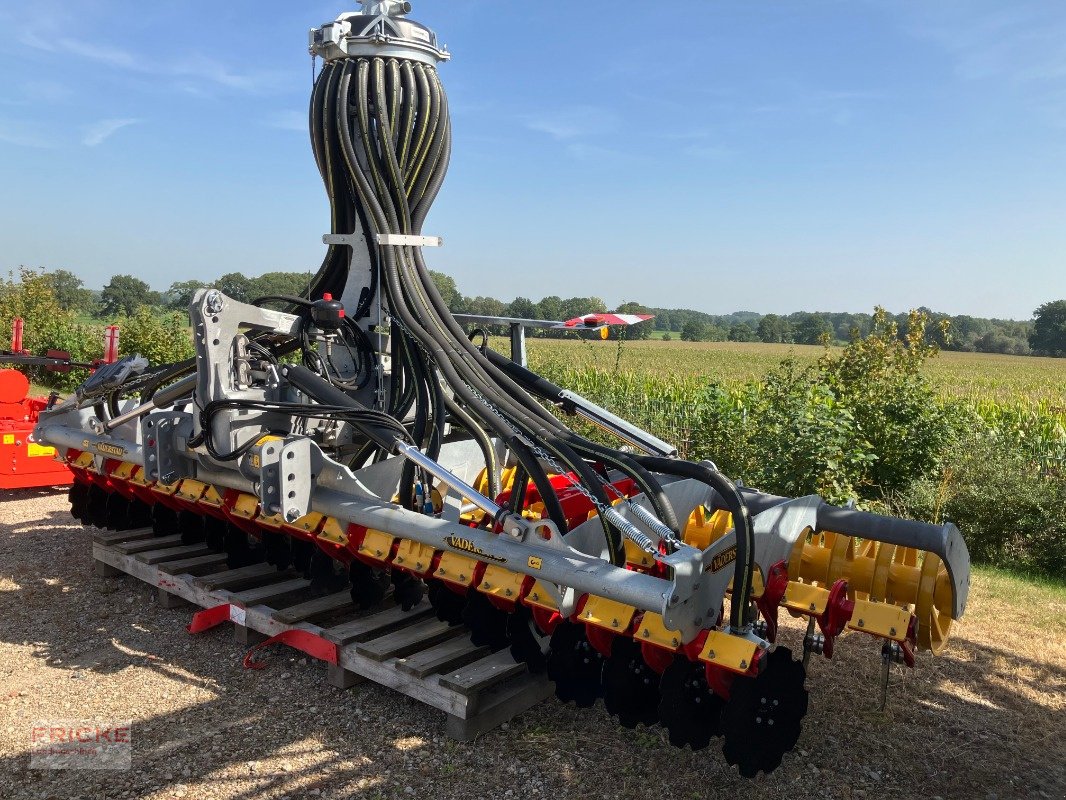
{"x": 25, "y": 463}
{"x": 360, "y": 436}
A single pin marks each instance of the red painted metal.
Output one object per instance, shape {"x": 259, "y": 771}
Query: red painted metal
{"x": 209, "y": 618}
{"x": 24, "y": 463}
{"x": 17, "y": 328}
{"x": 774, "y": 587}
{"x": 304, "y": 641}
{"x": 111, "y": 338}
{"x": 838, "y": 611}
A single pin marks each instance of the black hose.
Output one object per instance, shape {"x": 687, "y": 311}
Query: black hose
{"x": 745, "y": 533}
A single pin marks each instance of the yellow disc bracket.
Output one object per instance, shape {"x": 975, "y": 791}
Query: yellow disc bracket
{"x": 456, "y": 569}
{"x": 733, "y": 653}
{"x": 880, "y": 619}
{"x": 607, "y": 614}
{"x": 501, "y": 583}
{"x": 413, "y": 556}
{"x": 540, "y": 597}
{"x": 190, "y": 491}
{"x": 652, "y": 629}
{"x": 377, "y": 545}
{"x": 333, "y": 532}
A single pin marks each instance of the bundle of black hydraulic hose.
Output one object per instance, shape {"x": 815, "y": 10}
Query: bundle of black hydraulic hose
{"x": 381, "y": 135}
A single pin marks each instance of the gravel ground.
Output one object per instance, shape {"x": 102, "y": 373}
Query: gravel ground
{"x": 979, "y": 722}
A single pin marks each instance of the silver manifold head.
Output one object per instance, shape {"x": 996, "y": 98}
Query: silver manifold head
{"x": 380, "y": 29}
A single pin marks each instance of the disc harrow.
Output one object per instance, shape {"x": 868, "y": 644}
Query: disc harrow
{"x": 398, "y": 459}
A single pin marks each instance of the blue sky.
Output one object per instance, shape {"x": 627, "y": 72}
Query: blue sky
{"x": 768, "y": 156}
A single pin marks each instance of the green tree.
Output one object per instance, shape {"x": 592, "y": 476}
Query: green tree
{"x": 742, "y": 332}
{"x": 521, "y": 308}
{"x": 551, "y": 308}
{"x": 235, "y": 285}
{"x": 642, "y": 330}
{"x": 179, "y": 295}
{"x": 125, "y": 294}
{"x": 813, "y": 328}
{"x": 1049, "y": 329}
{"x": 693, "y": 331}
{"x": 445, "y": 284}
{"x": 279, "y": 283}
{"x": 48, "y": 326}
{"x": 69, "y": 290}
{"x": 774, "y": 329}
{"x": 161, "y": 338}
{"x": 582, "y": 306}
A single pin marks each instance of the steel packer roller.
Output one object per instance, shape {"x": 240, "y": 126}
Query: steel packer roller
{"x": 358, "y": 434}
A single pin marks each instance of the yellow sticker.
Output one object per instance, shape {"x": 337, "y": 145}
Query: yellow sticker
{"x": 535, "y": 562}
{"x": 9, "y": 438}
{"x": 35, "y": 450}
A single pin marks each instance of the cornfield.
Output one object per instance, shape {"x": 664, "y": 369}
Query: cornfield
{"x": 672, "y": 401}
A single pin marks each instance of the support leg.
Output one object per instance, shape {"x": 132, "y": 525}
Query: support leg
{"x": 338, "y": 676}
{"x": 105, "y": 570}
{"x": 168, "y": 600}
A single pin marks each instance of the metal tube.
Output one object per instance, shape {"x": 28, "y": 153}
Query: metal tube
{"x": 416, "y": 456}
{"x": 61, "y": 436}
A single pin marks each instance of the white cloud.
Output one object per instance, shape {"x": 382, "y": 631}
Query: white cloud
{"x": 98, "y": 132}
{"x": 189, "y": 68}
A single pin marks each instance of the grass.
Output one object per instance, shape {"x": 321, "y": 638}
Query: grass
{"x": 1043, "y": 598}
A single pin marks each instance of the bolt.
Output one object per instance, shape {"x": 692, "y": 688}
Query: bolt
{"x": 862, "y": 623}
{"x": 535, "y": 596}
{"x": 710, "y": 654}
{"x": 646, "y": 633}
{"x": 486, "y": 585}
{"x": 614, "y": 623}
{"x": 675, "y": 642}
{"x": 213, "y": 303}
{"x": 891, "y": 631}
{"x": 813, "y": 607}
{"x": 743, "y": 664}
{"x": 508, "y": 592}
{"x": 588, "y": 615}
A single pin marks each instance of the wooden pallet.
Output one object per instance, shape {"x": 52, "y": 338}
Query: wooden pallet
{"x": 411, "y": 652}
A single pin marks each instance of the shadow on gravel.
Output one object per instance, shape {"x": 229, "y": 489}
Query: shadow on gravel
{"x": 981, "y": 721}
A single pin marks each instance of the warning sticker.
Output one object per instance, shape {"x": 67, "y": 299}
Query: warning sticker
{"x": 34, "y": 450}
{"x": 9, "y": 438}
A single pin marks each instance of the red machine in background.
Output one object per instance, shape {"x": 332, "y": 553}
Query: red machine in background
{"x": 24, "y": 463}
